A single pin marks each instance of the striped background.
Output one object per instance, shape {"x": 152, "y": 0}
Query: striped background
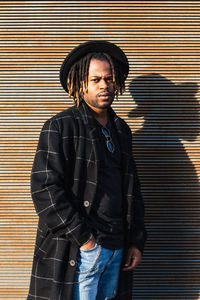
{"x": 161, "y": 105}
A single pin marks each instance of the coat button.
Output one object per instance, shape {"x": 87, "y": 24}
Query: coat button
{"x": 86, "y": 203}
{"x": 72, "y": 263}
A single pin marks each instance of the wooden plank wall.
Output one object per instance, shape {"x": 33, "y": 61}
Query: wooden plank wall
{"x": 161, "y": 105}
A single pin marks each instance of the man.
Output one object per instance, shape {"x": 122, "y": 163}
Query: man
{"x": 85, "y": 187}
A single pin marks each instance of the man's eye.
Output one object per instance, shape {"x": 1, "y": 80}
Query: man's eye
{"x": 95, "y": 80}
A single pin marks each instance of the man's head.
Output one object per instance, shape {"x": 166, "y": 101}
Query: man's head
{"x": 95, "y": 75}
{"x": 76, "y": 76}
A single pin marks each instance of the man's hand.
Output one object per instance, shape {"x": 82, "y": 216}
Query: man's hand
{"x": 89, "y": 245}
{"x": 134, "y": 257}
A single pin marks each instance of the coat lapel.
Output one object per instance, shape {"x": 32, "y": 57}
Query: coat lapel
{"x": 89, "y": 122}
{"x": 122, "y": 139}
{"x": 93, "y": 155}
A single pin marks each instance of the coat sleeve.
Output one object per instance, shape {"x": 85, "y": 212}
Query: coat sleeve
{"x": 52, "y": 204}
{"x": 138, "y": 234}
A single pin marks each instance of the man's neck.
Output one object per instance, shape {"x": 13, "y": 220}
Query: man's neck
{"x": 101, "y": 115}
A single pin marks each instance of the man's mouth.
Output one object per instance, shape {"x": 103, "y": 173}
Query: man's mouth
{"x": 104, "y": 96}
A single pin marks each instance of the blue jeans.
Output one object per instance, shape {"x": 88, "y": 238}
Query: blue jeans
{"x": 97, "y": 273}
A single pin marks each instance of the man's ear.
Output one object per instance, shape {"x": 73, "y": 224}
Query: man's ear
{"x": 82, "y": 89}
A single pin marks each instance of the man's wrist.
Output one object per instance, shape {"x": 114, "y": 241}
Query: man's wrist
{"x": 91, "y": 236}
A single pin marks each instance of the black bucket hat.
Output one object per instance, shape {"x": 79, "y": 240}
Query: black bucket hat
{"x": 81, "y": 50}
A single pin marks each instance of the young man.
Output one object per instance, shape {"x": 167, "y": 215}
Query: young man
{"x": 85, "y": 187}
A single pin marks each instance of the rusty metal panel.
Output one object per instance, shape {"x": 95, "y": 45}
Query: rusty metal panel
{"x": 161, "y": 105}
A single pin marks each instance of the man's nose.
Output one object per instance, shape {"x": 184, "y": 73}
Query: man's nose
{"x": 103, "y": 84}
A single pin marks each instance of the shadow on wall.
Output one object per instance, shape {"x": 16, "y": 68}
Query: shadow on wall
{"x": 170, "y": 268}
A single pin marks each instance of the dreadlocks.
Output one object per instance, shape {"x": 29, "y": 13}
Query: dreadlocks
{"x": 77, "y": 81}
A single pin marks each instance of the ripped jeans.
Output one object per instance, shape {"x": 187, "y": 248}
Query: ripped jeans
{"x": 97, "y": 273}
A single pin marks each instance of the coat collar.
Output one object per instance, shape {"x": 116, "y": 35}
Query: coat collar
{"x": 88, "y": 118}
{"x": 86, "y": 114}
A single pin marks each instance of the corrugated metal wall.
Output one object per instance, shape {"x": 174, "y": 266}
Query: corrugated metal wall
{"x": 161, "y": 104}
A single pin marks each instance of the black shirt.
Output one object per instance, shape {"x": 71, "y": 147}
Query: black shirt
{"x": 107, "y": 210}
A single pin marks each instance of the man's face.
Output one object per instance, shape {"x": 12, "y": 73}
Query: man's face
{"x": 101, "y": 91}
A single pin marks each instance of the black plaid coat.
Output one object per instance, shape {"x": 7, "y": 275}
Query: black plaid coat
{"x": 63, "y": 185}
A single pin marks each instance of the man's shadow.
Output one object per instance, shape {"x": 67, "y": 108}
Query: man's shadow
{"x": 170, "y": 187}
